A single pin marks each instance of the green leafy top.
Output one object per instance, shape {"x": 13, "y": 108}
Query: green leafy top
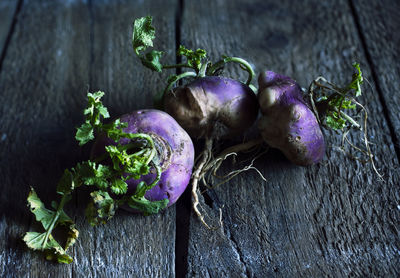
{"x": 196, "y": 60}
{"x": 93, "y": 113}
{"x": 143, "y": 33}
{"x": 142, "y": 38}
{"x": 329, "y": 101}
{"x": 129, "y": 161}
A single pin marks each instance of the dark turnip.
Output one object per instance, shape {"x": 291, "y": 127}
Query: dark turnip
{"x": 213, "y": 106}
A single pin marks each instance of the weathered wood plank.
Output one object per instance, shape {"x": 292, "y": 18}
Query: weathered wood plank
{"x": 379, "y": 23}
{"x": 44, "y": 73}
{"x": 7, "y": 11}
{"x": 130, "y": 245}
{"x": 335, "y": 219}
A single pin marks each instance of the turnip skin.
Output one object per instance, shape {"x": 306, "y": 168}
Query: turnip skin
{"x": 213, "y": 106}
{"x": 287, "y": 123}
{"x": 174, "y": 147}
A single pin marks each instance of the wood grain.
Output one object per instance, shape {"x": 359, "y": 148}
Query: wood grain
{"x": 379, "y": 22}
{"x": 44, "y": 74}
{"x": 59, "y": 50}
{"x": 7, "y": 11}
{"x": 130, "y": 245}
{"x": 335, "y": 219}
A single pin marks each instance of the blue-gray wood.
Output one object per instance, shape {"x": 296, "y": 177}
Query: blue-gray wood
{"x": 334, "y": 219}
{"x": 379, "y": 22}
{"x": 8, "y": 8}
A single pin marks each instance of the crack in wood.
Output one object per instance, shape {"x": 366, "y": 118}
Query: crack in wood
{"x": 237, "y": 250}
{"x": 10, "y": 33}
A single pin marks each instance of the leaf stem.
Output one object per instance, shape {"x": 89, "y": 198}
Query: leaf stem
{"x": 159, "y": 97}
{"x": 243, "y": 63}
{"x": 347, "y": 117}
{"x": 60, "y": 207}
{"x": 202, "y": 70}
{"x": 179, "y": 77}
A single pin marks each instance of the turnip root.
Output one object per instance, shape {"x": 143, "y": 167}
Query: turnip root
{"x": 209, "y": 106}
{"x": 291, "y": 120}
{"x": 213, "y": 106}
{"x": 174, "y": 153}
{"x": 287, "y": 123}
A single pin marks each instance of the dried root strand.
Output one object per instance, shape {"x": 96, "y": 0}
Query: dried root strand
{"x": 234, "y": 173}
{"x": 207, "y": 164}
{"x": 202, "y": 160}
{"x": 231, "y": 151}
{"x": 320, "y": 83}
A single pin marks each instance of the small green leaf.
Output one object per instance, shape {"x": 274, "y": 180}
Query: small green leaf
{"x": 73, "y": 234}
{"x": 142, "y": 38}
{"x": 94, "y": 174}
{"x": 34, "y": 240}
{"x": 194, "y": 58}
{"x": 118, "y": 186}
{"x": 42, "y": 215}
{"x": 152, "y": 60}
{"x": 114, "y": 130}
{"x": 101, "y": 209}
{"x": 84, "y": 134}
{"x": 146, "y": 206}
{"x": 357, "y": 80}
{"x": 66, "y": 184}
{"x": 53, "y": 251}
{"x": 94, "y": 113}
{"x": 334, "y": 121}
{"x": 117, "y": 157}
{"x": 348, "y": 104}
{"x": 143, "y": 33}
{"x": 140, "y": 189}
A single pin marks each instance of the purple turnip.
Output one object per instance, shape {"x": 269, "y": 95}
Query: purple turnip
{"x": 287, "y": 122}
{"x": 208, "y": 106}
{"x": 212, "y": 107}
{"x": 142, "y": 161}
{"x": 174, "y": 153}
{"x": 291, "y": 120}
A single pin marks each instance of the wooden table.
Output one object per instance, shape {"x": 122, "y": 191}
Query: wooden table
{"x": 334, "y": 219}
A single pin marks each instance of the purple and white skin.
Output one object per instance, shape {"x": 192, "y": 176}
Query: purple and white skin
{"x": 212, "y": 107}
{"x": 287, "y": 122}
{"x": 175, "y": 153}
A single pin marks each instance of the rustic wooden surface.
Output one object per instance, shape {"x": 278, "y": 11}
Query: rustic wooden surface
{"x": 380, "y": 38}
{"x": 335, "y": 219}
{"x": 7, "y": 11}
